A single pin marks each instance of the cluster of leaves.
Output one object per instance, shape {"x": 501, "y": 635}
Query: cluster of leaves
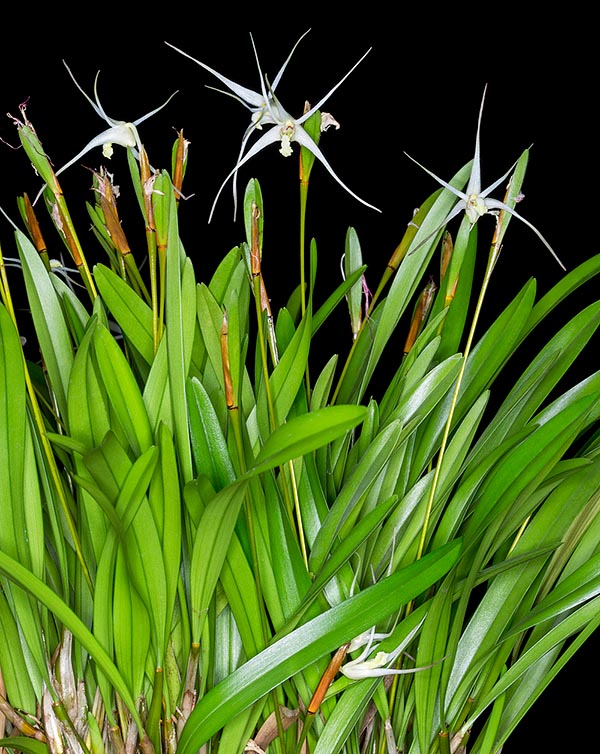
{"x": 198, "y": 531}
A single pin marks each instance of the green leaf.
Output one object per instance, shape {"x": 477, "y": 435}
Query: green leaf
{"x": 210, "y": 548}
{"x": 306, "y": 644}
{"x": 304, "y": 433}
{"x": 15, "y": 572}
{"x": 52, "y": 333}
{"x": 122, "y": 390}
{"x": 180, "y": 321}
{"x": 12, "y": 433}
{"x": 25, "y": 744}
{"x": 130, "y": 311}
{"x": 211, "y": 454}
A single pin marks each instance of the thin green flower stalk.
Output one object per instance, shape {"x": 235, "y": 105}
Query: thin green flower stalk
{"x": 144, "y": 179}
{"x": 5, "y": 290}
{"x": 314, "y": 128}
{"x": 475, "y": 204}
{"x": 156, "y": 277}
{"x": 257, "y": 289}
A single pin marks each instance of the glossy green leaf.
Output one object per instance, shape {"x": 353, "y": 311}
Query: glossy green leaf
{"x": 210, "y": 549}
{"x": 25, "y": 744}
{"x": 13, "y": 570}
{"x": 131, "y": 312}
{"x": 303, "y": 434}
{"x": 51, "y": 329}
{"x": 307, "y": 643}
{"x": 122, "y": 391}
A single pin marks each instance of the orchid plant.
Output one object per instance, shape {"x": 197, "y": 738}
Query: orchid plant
{"x": 195, "y": 523}
{"x": 266, "y": 110}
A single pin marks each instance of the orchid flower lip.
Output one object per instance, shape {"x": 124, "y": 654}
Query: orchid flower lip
{"x": 268, "y": 111}
{"x": 474, "y": 201}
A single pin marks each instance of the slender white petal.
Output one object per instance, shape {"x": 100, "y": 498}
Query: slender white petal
{"x": 248, "y": 95}
{"x": 302, "y": 137}
{"x": 500, "y": 180}
{"x": 331, "y": 91}
{"x": 124, "y": 135}
{"x": 474, "y": 185}
{"x": 287, "y": 60}
{"x": 100, "y": 110}
{"x": 455, "y": 191}
{"x": 269, "y": 137}
{"x": 496, "y": 204}
{"x": 96, "y": 105}
{"x": 137, "y": 121}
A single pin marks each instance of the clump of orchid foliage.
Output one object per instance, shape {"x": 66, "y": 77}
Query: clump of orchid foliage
{"x": 207, "y": 544}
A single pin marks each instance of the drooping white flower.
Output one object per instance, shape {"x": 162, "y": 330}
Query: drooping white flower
{"x": 266, "y": 110}
{"x": 378, "y": 665}
{"x": 475, "y": 202}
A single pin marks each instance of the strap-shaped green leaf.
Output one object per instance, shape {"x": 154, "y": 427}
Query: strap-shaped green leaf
{"x": 130, "y": 311}
{"x": 13, "y": 570}
{"x": 304, "y": 433}
{"x": 52, "y": 333}
{"x": 308, "y": 643}
{"x": 123, "y": 392}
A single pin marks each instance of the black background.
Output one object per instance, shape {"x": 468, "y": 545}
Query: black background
{"x": 418, "y": 91}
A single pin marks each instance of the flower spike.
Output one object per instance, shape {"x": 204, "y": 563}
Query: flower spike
{"x": 266, "y": 110}
{"x": 476, "y": 202}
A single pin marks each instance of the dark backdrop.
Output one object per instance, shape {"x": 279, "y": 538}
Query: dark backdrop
{"x": 418, "y": 91}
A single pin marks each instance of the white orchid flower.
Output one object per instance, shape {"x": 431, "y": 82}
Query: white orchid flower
{"x": 475, "y": 202}
{"x": 266, "y": 110}
{"x": 120, "y": 132}
{"x": 379, "y": 664}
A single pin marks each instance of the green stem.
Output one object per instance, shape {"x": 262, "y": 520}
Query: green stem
{"x": 492, "y": 259}
{"x": 303, "y": 202}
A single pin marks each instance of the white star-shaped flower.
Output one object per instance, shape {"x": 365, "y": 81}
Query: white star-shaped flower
{"x": 266, "y": 110}
{"x": 378, "y": 665}
{"x": 475, "y": 202}
{"x": 120, "y": 132}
